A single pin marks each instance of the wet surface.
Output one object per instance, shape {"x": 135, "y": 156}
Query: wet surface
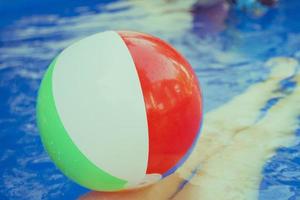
{"x": 245, "y": 91}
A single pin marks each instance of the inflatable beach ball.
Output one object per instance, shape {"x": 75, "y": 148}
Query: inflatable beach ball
{"x": 119, "y": 110}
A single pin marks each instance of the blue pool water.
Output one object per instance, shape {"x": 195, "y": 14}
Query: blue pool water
{"x": 227, "y": 58}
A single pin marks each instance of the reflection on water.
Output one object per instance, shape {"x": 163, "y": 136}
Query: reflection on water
{"x": 226, "y": 62}
{"x": 235, "y": 145}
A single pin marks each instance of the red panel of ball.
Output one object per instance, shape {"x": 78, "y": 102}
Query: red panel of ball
{"x": 172, "y": 98}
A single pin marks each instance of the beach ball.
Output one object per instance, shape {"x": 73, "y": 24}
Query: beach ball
{"x": 119, "y": 110}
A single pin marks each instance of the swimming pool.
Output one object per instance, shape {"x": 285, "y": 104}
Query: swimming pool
{"x": 228, "y": 58}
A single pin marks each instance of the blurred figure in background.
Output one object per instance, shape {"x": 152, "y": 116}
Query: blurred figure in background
{"x": 210, "y": 15}
{"x": 242, "y": 3}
